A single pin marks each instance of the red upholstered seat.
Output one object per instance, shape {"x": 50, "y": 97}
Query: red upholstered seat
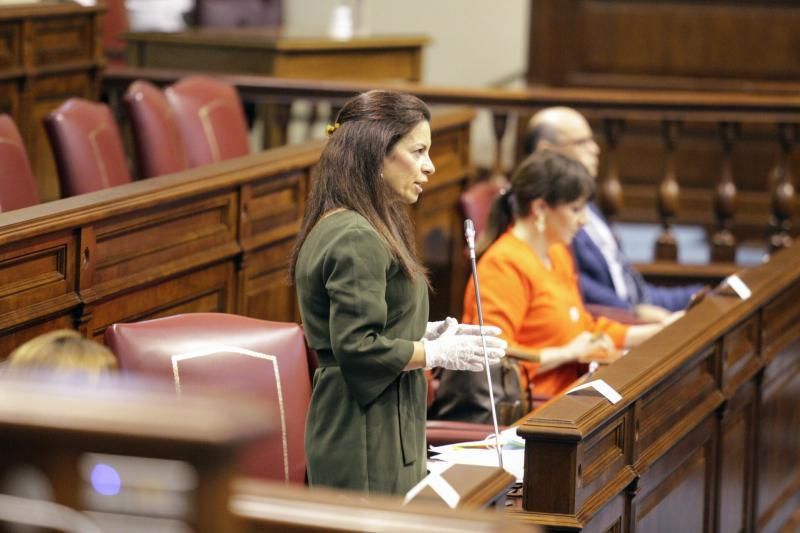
{"x": 210, "y": 117}
{"x": 267, "y": 360}
{"x": 156, "y": 136}
{"x": 115, "y": 22}
{"x": 476, "y": 202}
{"x": 87, "y": 147}
{"x": 17, "y": 184}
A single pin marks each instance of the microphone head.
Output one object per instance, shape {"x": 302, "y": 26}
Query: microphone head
{"x": 469, "y": 233}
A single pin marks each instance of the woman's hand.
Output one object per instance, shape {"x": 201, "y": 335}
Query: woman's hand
{"x": 651, "y": 313}
{"x": 672, "y": 318}
{"x": 450, "y": 326}
{"x": 463, "y": 352}
{"x": 584, "y": 348}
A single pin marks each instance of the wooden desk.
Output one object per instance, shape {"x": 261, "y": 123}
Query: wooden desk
{"x": 706, "y": 435}
{"x": 273, "y": 53}
{"x": 101, "y": 452}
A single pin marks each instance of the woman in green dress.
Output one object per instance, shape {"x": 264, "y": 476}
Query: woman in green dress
{"x": 363, "y": 298}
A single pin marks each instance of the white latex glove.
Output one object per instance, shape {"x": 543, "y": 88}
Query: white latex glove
{"x": 450, "y": 326}
{"x": 462, "y": 352}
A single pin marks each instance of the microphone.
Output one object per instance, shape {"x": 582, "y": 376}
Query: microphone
{"x": 469, "y": 234}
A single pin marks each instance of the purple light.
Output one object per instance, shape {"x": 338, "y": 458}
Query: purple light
{"x": 106, "y": 480}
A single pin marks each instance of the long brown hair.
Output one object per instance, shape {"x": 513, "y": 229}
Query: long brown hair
{"x": 546, "y": 174}
{"x": 349, "y": 173}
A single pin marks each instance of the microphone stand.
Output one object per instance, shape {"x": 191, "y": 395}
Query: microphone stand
{"x": 469, "y": 233}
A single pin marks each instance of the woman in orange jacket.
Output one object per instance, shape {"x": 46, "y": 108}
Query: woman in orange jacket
{"x": 529, "y": 288}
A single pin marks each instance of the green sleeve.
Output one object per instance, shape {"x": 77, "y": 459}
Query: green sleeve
{"x": 355, "y": 271}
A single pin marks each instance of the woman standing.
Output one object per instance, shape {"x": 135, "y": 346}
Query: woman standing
{"x": 363, "y": 298}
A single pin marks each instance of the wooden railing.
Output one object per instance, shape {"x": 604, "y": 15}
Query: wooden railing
{"x": 215, "y": 238}
{"x": 734, "y": 194}
{"x": 706, "y": 435}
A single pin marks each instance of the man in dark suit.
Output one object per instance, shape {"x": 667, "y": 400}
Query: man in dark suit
{"x": 606, "y": 275}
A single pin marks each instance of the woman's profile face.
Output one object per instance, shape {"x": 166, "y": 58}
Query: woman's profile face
{"x": 407, "y": 167}
{"x": 564, "y": 221}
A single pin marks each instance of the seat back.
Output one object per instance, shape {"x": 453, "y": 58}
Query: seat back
{"x": 210, "y": 118}
{"x": 87, "y": 147}
{"x": 17, "y": 184}
{"x": 115, "y": 23}
{"x": 156, "y": 136}
{"x": 476, "y": 202}
{"x": 265, "y": 360}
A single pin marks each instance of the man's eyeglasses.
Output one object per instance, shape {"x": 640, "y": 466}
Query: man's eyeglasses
{"x": 577, "y": 142}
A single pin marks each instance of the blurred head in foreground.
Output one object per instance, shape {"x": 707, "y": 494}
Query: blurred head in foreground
{"x": 62, "y": 352}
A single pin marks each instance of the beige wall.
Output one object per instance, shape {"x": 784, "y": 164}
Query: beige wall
{"x": 474, "y": 43}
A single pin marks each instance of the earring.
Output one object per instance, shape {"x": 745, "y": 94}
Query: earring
{"x": 540, "y": 223}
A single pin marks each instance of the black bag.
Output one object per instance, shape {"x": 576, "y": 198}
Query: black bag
{"x": 464, "y": 396}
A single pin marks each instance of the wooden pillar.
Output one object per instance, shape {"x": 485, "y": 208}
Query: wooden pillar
{"x": 668, "y": 195}
{"x": 499, "y": 123}
{"x": 782, "y": 190}
{"x": 723, "y": 242}
{"x": 609, "y": 191}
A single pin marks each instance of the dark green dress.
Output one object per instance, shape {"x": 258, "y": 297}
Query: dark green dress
{"x": 366, "y": 423}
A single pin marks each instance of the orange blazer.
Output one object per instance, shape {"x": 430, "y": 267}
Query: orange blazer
{"x": 536, "y": 307}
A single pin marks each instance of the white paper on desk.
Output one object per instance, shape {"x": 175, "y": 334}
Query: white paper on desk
{"x": 739, "y": 287}
{"x": 440, "y": 486}
{"x": 513, "y": 459}
{"x": 508, "y": 439}
{"x": 600, "y": 386}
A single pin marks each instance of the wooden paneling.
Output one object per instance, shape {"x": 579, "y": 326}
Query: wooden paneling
{"x": 714, "y": 431}
{"x": 260, "y": 51}
{"x": 736, "y": 457}
{"x": 709, "y": 45}
{"x": 669, "y": 44}
{"x": 673, "y": 494}
{"x": 49, "y": 52}
{"x": 778, "y": 461}
{"x": 55, "y": 41}
{"x": 216, "y": 238}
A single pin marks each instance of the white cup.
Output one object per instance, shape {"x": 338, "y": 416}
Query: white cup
{"x": 341, "y": 26}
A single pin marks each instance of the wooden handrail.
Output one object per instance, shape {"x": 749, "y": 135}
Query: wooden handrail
{"x": 627, "y": 104}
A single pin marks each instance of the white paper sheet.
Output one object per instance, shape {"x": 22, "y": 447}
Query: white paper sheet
{"x": 600, "y": 386}
{"x": 739, "y": 287}
{"x": 483, "y": 453}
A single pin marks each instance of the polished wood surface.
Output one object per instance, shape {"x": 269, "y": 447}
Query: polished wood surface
{"x": 268, "y": 507}
{"x": 675, "y": 44}
{"x": 705, "y": 438}
{"x": 272, "y": 52}
{"x": 57, "y": 427}
{"x": 49, "y": 51}
{"x": 215, "y": 238}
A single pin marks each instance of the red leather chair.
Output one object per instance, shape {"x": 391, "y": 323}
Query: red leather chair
{"x": 210, "y": 117}
{"x": 476, "y": 202}
{"x": 156, "y": 136}
{"x": 267, "y": 360}
{"x": 115, "y": 23}
{"x": 87, "y": 147}
{"x": 17, "y": 184}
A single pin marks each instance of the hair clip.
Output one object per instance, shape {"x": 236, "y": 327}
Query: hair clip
{"x": 330, "y": 128}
